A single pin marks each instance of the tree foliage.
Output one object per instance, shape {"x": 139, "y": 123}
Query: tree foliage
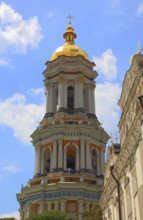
{"x": 7, "y": 218}
{"x": 51, "y": 215}
{"x": 94, "y": 214}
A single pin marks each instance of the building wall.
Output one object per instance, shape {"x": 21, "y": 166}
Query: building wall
{"x": 128, "y": 164}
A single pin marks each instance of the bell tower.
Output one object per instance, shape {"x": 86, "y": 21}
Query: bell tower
{"x": 70, "y": 141}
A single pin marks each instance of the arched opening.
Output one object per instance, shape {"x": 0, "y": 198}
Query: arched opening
{"x": 94, "y": 160}
{"x": 47, "y": 161}
{"x": 71, "y": 160}
{"x": 70, "y": 99}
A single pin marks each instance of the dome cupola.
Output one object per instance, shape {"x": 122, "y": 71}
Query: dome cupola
{"x": 69, "y": 48}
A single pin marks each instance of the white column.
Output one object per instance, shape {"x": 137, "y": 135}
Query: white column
{"x": 65, "y": 94}
{"x": 76, "y": 94}
{"x": 80, "y": 209}
{"x": 60, "y": 154}
{"x": 28, "y": 210}
{"x": 49, "y": 206}
{"x": 47, "y": 100}
{"x": 21, "y": 212}
{"x": 132, "y": 195}
{"x": 102, "y": 161}
{"x": 88, "y": 157}
{"x": 139, "y": 163}
{"x": 98, "y": 165}
{"x": 77, "y": 160}
{"x": 35, "y": 159}
{"x": 89, "y": 99}
{"x": 93, "y": 100}
{"x": 81, "y": 105}
{"x": 54, "y": 154}
{"x": 87, "y": 203}
{"x": 61, "y": 93}
{"x": 54, "y": 100}
{"x": 56, "y": 205}
{"x": 82, "y": 155}
{"x": 38, "y": 160}
{"x": 63, "y": 205}
{"x": 65, "y": 160}
{"x": 51, "y": 98}
{"x": 42, "y": 207}
{"x": 42, "y": 165}
{"x": 51, "y": 159}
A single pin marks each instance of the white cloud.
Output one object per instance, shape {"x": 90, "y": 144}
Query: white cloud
{"x": 11, "y": 168}
{"x": 17, "y": 33}
{"x": 35, "y": 92}
{"x": 4, "y": 62}
{"x": 10, "y": 215}
{"x": 21, "y": 116}
{"x": 107, "y": 95}
{"x": 106, "y": 64}
{"x": 139, "y": 9}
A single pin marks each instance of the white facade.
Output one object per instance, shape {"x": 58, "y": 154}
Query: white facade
{"x": 128, "y": 162}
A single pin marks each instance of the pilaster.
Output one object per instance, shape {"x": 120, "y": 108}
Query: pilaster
{"x": 82, "y": 155}
{"x": 63, "y": 205}
{"x": 60, "y": 154}
{"x": 54, "y": 155}
{"x": 88, "y": 157}
{"x": 80, "y": 209}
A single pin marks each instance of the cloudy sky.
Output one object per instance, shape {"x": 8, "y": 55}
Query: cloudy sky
{"x": 30, "y": 31}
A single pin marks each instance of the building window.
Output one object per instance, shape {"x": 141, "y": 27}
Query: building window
{"x": 70, "y": 163}
{"x": 71, "y": 159}
{"x": 94, "y": 160}
{"x": 70, "y": 99}
{"x": 47, "y": 161}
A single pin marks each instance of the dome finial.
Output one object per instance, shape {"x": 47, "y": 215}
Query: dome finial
{"x": 69, "y": 35}
{"x": 69, "y": 17}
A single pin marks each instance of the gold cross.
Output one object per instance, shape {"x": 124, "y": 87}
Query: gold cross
{"x": 69, "y": 17}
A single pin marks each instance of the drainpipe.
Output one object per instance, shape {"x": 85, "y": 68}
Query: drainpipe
{"x": 118, "y": 190}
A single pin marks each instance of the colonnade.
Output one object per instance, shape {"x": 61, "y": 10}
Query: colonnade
{"x": 56, "y": 95}
{"x": 58, "y": 157}
{"x": 61, "y": 205}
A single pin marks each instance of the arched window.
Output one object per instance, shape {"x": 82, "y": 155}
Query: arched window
{"x": 94, "y": 160}
{"x": 71, "y": 160}
{"x": 70, "y": 99}
{"x": 47, "y": 161}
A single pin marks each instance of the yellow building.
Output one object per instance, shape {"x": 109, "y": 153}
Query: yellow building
{"x": 122, "y": 196}
{"x": 70, "y": 141}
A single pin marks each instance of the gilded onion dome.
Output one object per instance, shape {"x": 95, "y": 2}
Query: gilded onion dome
{"x": 69, "y": 48}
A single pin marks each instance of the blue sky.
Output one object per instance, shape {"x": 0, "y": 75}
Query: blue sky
{"x": 30, "y": 31}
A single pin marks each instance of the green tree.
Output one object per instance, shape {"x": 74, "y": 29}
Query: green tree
{"x": 52, "y": 215}
{"x": 7, "y": 218}
{"x": 94, "y": 214}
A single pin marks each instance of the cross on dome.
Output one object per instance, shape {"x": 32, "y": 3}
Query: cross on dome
{"x": 69, "y": 17}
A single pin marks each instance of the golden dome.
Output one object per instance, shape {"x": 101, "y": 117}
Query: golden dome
{"x": 69, "y": 48}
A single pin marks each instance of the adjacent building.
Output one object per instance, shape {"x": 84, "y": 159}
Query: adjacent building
{"x": 122, "y": 197}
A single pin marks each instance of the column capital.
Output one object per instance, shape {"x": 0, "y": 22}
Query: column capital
{"x": 82, "y": 141}
{"x": 60, "y": 141}
{"x": 61, "y": 79}
{"x": 80, "y": 201}
{"x": 54, "y": 141}
{"x": 88, "y": 142}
